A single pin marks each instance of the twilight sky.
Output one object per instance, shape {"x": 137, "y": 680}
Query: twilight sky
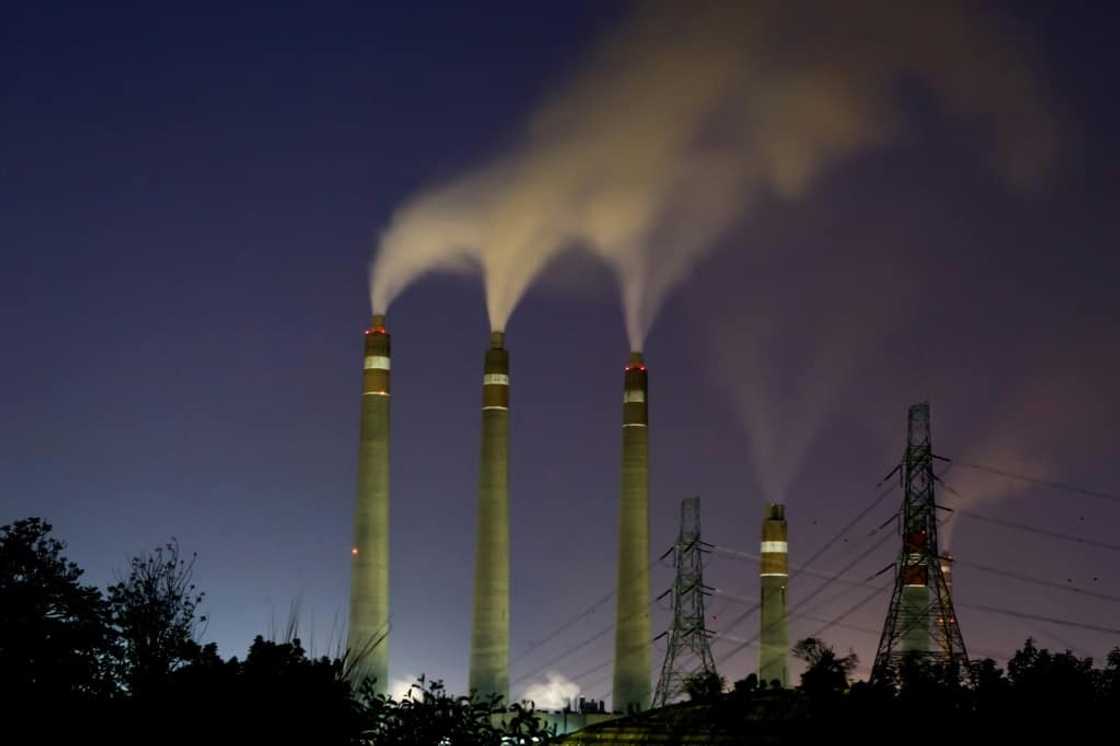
{"x": 189, "y": 199}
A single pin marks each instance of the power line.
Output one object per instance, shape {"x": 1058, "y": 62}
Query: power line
{"x": 800, "y": 570}
{"x": 556, "y": 659}
{"x": 1034, "y": 530}
{"x": 1037, "y": 581}
{"x": 817, "y": 555}
{"x": 1040, "y": 618}
{"x": 853, "y": 609}
{"x": 564, "y": 625}
{"x": 812, "y": 595}
{"x": 571, "y": 621}
{"x": 1060, "y": 486}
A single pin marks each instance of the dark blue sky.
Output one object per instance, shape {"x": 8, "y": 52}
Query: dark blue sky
{"x": 188, "y": 203}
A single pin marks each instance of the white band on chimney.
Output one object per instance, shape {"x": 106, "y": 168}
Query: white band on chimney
{"x": 377, "y": 362}
{"x": 495, "y": 379}
{"x": 775, "y": 547}
{"x": 633, "y": 424}
{"x": 497, "y": 407}
{"x": 375, "y": 393}
{"x": 773, "y": 575}
{"x": 633, "y": 395}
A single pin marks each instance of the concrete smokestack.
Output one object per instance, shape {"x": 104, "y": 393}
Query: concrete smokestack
{"x": 489, "y": 669}
{"x": 368, "y": 635}
{"x": 774, "y": 579}
{"x": 632, "y": 625}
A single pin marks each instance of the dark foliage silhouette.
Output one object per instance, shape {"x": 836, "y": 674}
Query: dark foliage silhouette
{"x": 155, "y": 613}
{"x": 55, "y": 641}
{"x": 127, "y": 667}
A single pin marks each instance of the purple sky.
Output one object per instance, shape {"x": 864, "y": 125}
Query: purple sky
{"x": 188, "y": 201}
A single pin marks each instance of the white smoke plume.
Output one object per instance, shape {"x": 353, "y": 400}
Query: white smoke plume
{"x": 554, "y": 693}
{"x": 683, "y": 118}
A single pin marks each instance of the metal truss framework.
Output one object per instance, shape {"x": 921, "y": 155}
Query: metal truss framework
{"x": 921, "y": 622}
{"x": 689, "y": 652}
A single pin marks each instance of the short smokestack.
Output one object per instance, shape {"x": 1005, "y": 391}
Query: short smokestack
{"x": 368, "y": 632}
{"x": 489, "y": 667}
{"x": 774, "y": 579}
{"x": 632, "y": 662}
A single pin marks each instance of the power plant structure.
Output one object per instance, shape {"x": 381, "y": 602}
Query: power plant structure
{"x": 773, "y": 574}
{"x": 632, "y": 642}
{"x": 489, "y": 663}
{"x": 368, "y": 631}
{"x": 921, "y": 622}
{"x": 920, "y": 618}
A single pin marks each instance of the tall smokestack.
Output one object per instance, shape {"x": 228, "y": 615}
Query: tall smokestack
{"x": 368, "y": 635}
{"x": 489, "y": 670}
{"x": 632, "y": 625}
{"x": 774, "y": 579}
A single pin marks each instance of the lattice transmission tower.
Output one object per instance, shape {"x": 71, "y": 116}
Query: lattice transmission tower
{"x": 689, "y": 651}
{"x": 920, "y": 620}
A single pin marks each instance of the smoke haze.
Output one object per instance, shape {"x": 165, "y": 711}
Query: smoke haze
{"x": 554, "y": 693}
{"x": 1060, "y": 401}
{"x": 683, "y": 118}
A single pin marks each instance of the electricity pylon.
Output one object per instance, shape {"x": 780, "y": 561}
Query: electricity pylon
{"x": 920, "y": 620}
{"x": 689, "y": 651}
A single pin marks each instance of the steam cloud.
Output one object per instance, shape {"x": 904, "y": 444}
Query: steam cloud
{"x": 403, "y": 688}
{"x": 553, "y": 693}
{"x": 682, "y": 119}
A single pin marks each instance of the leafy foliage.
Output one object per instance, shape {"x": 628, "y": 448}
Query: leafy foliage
{"x": 128, "y": 668}
{"x": 154, "y": 611}
{"x": 826, "y": 673}
{"x": 704, "y": 686}
{"x": 54, "y": 639}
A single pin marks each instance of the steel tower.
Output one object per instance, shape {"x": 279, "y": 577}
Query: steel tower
{"x": 689, "y": 651}
{"x": 920, "y": 619}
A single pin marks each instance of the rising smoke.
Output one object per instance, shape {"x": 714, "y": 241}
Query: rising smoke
{"x": 683, "y": 118}
{"x": 554, "y": 693}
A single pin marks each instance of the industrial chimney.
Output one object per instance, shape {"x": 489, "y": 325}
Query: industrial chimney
{"x": 774, "y": 580}
{"x": 368, "y": 632}
{"x": 632, "y": 624}
{"x": 489, "y": 667}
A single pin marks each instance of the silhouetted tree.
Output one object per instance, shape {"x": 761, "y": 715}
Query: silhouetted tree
{"x": 54, "y": 641}
{"x": 826, "y": 673}
{"x": 1040, "y": 678}
{"x": 1110, "y": 680}
{"x": 991, "y": 691}
{"x": 704, "y": 686}
{"x": 746, "y": 685}
{"x": 429, "y": 715}
{"x": 155, "y": 613}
